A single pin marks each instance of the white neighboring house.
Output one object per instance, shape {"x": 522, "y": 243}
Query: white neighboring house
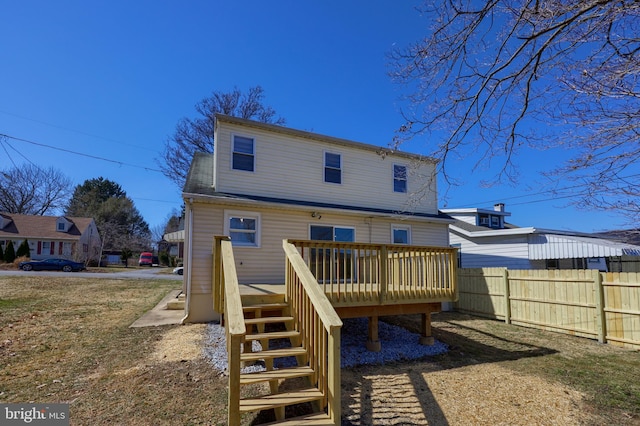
{"x": 265, "y": 183}
{"x": 49, "y": 237}
{"x": 485, "y": 239}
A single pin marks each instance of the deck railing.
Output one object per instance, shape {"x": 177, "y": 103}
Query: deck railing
{"x": 319, "y": 326}
{"x": 353, "y": 274}
{"x": 227, "y": 301}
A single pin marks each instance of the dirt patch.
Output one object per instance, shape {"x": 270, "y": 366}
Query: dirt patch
{"x": 422, "y": 394}
{"x": 180, "y": 344}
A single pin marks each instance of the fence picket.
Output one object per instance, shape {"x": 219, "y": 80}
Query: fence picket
{"x": 585, "y": 303}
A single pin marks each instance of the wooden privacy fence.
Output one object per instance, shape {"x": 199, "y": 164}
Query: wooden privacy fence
{"x": 585, "y": 303}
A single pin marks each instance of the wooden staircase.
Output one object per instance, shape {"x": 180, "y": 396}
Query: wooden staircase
{"x": 268, "y": 321}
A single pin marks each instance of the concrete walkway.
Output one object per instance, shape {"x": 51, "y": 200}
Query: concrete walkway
{"x": 160, "y": 315}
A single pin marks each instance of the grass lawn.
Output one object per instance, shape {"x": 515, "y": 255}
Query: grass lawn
{"x": 68, "y": 340}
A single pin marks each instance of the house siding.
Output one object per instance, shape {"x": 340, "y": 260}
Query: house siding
{"x": 292, "y": 167}
{"x": 510, "y": 252}
{"x": 265, "y": 264}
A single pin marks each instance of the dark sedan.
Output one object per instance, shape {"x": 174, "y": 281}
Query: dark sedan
{"x": 52, "y": 265}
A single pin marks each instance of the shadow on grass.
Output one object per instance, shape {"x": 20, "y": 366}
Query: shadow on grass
{"x": 403, "y": 395}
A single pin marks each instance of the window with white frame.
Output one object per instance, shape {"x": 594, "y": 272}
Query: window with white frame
{"x": 243, "y": 155}
{"x": 399, "y": 178}
{"x": 243, "y": 228}
{"x": 401, "y": 234}
{"x": 332, "y": 167}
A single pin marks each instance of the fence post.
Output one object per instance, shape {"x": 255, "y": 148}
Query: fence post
{"x": 601, "y": 318}
{"x": 507, "y": 296}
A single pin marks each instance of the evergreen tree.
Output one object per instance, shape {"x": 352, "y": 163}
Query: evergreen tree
{"x": 1, "y": 254}
{"x": 9, "y": 253}
{"x": 24, "y": 250}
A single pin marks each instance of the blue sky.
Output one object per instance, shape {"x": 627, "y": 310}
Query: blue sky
{"x": 110, "y": 79}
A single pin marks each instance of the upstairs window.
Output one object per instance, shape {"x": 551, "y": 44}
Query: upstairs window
{"x": 399, "y": 178}
{"x": 332, "y": 168}
{"x": 61, "y": 226}
{"x": 243, "y": 156}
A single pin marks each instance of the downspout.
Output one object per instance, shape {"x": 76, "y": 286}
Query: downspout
{"x": 189, "y": 250}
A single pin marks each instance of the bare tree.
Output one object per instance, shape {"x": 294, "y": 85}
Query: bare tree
{"x": 492, "y": 77}
{"x": 29, "y": 189}
{"x": 196, "y": 135}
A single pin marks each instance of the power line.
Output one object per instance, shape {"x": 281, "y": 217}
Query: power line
{"x": 121, "y": 163}
{"x": 558, "y": 190}
{"x": 72, "y": 130}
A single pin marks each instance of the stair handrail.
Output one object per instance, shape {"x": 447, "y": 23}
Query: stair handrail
{"x": 235, "y": 330}
{"x": 311, "y": 310}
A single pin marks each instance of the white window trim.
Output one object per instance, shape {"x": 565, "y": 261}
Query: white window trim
{"x": 228, "y": 214}
{"x": 233, "y": 138}
{"x": 406, "y": 177}
{"x": 324, "y": 167}
{"x": 401, "y": 228}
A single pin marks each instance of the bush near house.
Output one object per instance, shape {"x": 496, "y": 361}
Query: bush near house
{"x": 24, "y": 250}
{"x": 9, "y": 253}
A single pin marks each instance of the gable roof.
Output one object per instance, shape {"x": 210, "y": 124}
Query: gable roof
{"x": 23, "y": 226}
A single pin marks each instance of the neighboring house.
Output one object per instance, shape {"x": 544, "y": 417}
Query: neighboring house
{"x": 485, "y": 239}
{"x": 74, "y": 238}
{"x": 265, "y": 183}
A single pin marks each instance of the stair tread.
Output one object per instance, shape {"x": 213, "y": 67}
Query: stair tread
{"x": 265, "y": 320}
{"x": 280, "y": 399}
{"x": 272, "y": 335}
{"x": 265, "y": 306}
{"x": 279, "y": 374}
{"x": 314, "y": 419}
{"x": 273, "y": 353}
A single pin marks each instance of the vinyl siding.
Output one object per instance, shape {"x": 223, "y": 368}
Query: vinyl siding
{"x": 510, "y": 252}
{"x": 265, "y": 265}
{"x": 292, "y": 167}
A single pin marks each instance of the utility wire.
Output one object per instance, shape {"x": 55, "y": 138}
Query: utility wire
{"x": 121, "y": 163}
{"x": 72, "y": 130}
{"x": 558, "y": 190}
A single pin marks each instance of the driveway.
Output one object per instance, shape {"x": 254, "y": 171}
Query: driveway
{"x": 143, "y": 274}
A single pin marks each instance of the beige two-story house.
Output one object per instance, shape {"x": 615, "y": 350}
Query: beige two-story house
{"x": 265, "y": 183}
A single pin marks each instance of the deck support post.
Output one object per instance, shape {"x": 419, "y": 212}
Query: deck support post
{"x": 373, "y": 343}
{"x": 426, "y": 338}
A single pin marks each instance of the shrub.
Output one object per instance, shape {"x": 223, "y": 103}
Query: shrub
{"x": 1, "y": 255}
{"x": 9, "y": 253}
{"x": 23, "y": 249}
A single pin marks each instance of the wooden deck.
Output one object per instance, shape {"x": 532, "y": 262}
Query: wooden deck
{"x": 324, "y": 282}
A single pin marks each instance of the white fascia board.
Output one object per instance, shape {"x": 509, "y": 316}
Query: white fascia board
{"x": 494, "y": 232}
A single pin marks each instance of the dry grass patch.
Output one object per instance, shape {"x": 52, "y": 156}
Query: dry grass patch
{"x": 68, "y": 340}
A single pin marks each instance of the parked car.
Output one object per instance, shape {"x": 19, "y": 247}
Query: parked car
{"x": 179, "y": 270}
{"x": 65, "y": 265}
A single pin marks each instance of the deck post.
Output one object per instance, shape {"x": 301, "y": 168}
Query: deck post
{"x": 426, "y": 338}
{"x": 383, "y": 261}
{"x": 373, "y": 343}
